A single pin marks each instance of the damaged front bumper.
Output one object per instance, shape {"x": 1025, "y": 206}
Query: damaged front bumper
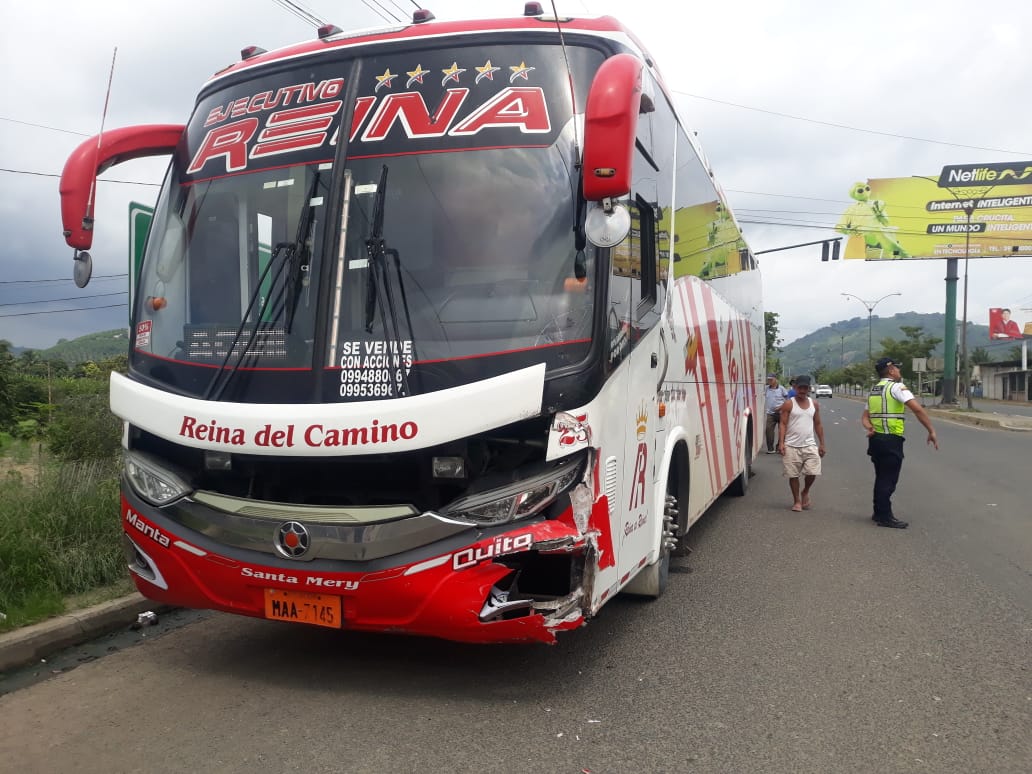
{"x": 521, "y": 583}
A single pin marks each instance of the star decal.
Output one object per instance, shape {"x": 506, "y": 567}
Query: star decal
{"x": 415, "y": 76}
{"x": 520, "y": 71}
{"x": 385, "y": 79}
{"x": 452, "y": 73}
{"x": 487, "y": 71}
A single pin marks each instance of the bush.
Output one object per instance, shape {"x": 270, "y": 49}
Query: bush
{"x": 58, "y": 537}
{"x": 83, "y": 428}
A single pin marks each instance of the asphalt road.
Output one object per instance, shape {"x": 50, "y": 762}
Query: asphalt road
{"x": 787, "y": 642}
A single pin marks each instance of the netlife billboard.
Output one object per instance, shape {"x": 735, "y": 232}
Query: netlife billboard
{"x": 967, "y": 211}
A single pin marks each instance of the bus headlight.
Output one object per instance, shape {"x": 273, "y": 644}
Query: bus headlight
{"x": 516, "y": 501}
{"x": 152, "y": 482}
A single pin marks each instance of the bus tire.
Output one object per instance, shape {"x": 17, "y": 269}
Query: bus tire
{"x": 677, "y": 487}
{"x": 740, "y": 486}
{"x": 651, "y": 582}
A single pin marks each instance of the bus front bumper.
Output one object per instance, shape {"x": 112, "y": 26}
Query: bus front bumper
{"x": 521, "y": 585}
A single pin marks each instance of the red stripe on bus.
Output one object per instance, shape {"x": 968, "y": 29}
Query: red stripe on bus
{"x": 721, "y": 382}
{"x": 701, "y": 393}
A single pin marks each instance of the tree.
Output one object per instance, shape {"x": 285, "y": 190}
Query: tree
{"x": 980, "y": 355}
{"x": 915, "y": 345}
{"x": 770, "y": 330}
{"x": 6, "y": 376}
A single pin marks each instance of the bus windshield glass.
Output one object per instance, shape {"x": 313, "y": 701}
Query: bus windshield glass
{"x": 441, "y": 233}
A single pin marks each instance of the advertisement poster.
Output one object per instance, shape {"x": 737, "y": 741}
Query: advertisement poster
{"x": 1004, "y": 326}
{"x": 969, "y": 211}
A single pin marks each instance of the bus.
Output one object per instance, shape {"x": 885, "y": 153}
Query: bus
{"x": 440, "y": 329}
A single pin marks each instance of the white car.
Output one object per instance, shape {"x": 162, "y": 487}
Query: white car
{"x": 823, "y": 391}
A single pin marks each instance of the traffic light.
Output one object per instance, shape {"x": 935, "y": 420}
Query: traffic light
{"x": 831, "y": 246}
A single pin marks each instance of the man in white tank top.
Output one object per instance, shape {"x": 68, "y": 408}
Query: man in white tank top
{"x": 801, "y": 442}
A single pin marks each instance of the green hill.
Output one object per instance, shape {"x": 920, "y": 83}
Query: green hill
{"x": 845, "y": 342}
{"x": 92, "y": 346}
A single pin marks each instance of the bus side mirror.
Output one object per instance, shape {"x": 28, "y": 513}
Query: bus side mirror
{"x": 610, "y": 127}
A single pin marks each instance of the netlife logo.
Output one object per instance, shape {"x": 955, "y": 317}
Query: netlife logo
{"x": 986, "y": 174}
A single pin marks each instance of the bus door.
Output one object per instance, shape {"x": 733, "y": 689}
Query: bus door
{"x": 645, "y": 364}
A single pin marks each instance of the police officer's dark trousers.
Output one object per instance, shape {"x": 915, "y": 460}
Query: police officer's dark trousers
{"x": 886, "y": 453}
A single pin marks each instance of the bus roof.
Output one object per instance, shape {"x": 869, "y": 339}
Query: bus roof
{"x": 603, "y": 26}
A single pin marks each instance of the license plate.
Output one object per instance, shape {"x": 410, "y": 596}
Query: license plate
{"x": 302, "y": 607}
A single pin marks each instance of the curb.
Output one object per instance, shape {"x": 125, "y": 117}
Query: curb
{"x": 31, "y": 643}
{"x": 1014, "y": 422}
{"x": 1008, "y": 422}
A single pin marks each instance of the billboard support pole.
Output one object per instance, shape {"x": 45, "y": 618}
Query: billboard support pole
{"x": 949, "y": 368}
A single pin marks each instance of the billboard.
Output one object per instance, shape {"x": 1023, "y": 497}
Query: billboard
{"x": 1003, "y": 326}
{"x": 967, "y": 211}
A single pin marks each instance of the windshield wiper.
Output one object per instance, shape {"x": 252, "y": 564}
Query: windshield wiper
{"x": 280, "y": 248}
{"x": 376, "y": 253}
{"x": 294, "y": 256}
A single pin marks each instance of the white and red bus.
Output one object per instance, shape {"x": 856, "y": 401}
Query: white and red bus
{"x": 441, "y": 329}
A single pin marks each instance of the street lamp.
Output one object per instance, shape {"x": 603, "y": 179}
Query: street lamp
{"x": 870, "y": 312}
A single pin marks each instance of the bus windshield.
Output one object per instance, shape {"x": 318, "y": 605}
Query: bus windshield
{"x": 368, "y": 269}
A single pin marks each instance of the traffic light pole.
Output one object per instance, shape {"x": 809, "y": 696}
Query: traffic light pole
{"x": 824, "y": 242}
{"x": 949, "y": 368}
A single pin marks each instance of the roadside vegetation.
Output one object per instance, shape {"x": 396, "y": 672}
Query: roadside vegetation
{"x": 60, "y": 537}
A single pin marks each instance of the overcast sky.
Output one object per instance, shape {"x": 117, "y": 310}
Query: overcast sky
{"x": 769, "y": 87}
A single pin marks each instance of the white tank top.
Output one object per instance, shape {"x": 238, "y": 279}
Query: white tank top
{"x": 800, "y": 425}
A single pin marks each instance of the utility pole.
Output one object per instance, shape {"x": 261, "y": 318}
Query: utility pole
{"x": 870, "y": 314}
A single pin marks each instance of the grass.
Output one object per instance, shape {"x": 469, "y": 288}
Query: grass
{"x": 60, "y": 539}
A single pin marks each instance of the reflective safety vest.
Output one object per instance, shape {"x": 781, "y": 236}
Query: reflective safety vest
{"x": 886, "y": 413}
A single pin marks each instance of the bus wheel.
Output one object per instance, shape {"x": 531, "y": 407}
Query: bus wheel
{"x": 651, "y": 582}
{"x": 677, "y": 499}
{"x": 740, "y": 486}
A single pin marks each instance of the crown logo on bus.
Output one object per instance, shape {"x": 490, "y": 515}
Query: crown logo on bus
{"x": 642, "y": 422}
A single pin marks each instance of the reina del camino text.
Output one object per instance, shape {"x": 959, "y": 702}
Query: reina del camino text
{"x": 287, "y": 437}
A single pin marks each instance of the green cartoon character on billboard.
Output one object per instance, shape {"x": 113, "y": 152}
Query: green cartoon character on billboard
{"x": 867, "y": 218}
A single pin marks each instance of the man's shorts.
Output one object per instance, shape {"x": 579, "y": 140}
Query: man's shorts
{"x": 801, "y": 461}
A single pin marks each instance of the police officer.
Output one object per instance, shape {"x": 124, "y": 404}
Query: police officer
{"x": 883, "y": 419}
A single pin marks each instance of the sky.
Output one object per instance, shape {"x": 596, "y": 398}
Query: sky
{"x": 792, "y": 103}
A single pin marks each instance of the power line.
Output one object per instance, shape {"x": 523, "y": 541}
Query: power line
{"x": 318, "y": 20}
{"x": 787, "y": 196}
{"x": 43, "y": 126}
{"x": 399, "y": 8}
{"x": 62, "y": 279}
{"x": 59, "y": 311}
{"x": 850, "y": 128}
{"x": 300, "y": 12}
{"x": 812, "y": 224}
{"x": 756, "y": 212}
{"x": 383, "y": 13}
{"x": 55, "y": 300}
{"x": 54, "y": 174}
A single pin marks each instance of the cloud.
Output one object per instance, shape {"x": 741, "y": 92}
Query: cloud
{"x": 913, "y": 70}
